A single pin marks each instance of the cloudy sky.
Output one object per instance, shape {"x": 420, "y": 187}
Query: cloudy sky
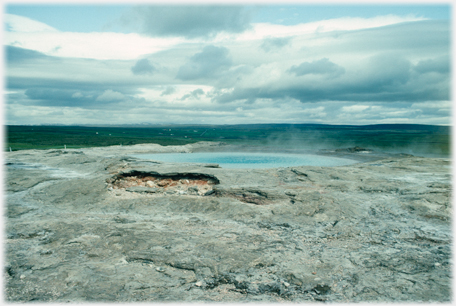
{"x": 227, "y": 64}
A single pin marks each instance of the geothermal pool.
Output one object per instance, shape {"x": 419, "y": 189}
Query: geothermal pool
{"x": 249, "y": 160}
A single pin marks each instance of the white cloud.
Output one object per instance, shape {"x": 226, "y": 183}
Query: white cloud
{"x": 15, "y": 23}
{"x": 104, "y": 46}
{"x": 110, "y": 95}
{"x": 175, "y": 98}
{"x": 267, "y": 30}
{"x": 354, "y": 108}
{"x": 34, "y": 35}
{"x": 446, "y": 105}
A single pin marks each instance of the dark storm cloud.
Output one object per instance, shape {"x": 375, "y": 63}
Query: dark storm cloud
{"x": 93, "y": 100}
{"x": 168, "y": 91}
{"x": 383, "y": 73}
{"x": 195, "y": 94}
{"x": 51, "y": 80}
{"x": 384, "y": 78}
{"x": 440, "y": 65}
{"x": 386, "y": 70}
{"x": 272, "y": 44}
{"x": 17, "y": 55}
{"x": 50, "y": 83}
{"x": 56, "y": 97}
{"x": 56, "y": 87}
{"x": 363, "y": 92}
{"x": 143, "y": 67}
{"x": 49, "y": 94}
{"x": 189, "y": 21}
{"x": 70, "y": 97}
{"x": 210, "y": 62}
{"x": 418, "y": 38}
{"x": 323, "y": 66}
{"x": 305, "y": 95}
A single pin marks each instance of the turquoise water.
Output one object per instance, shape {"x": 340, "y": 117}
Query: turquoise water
{"x": 249, "y": 160}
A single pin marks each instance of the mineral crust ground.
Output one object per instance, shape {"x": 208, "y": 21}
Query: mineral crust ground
{"x": 96, "y": 225}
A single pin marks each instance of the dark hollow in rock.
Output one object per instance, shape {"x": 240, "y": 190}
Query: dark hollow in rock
{"x": 321, "y": 289}
{"x": 354, "y": 150}
{"x": 173, "y": 176}
{"x": 251, "y": 196}
{"x": 152, "y": 182}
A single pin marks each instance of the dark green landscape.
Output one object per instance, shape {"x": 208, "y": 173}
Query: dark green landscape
{"x": 397, "y": 138}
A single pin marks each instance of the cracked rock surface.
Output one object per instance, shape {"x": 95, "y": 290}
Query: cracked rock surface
{"x": 96, "y": 225}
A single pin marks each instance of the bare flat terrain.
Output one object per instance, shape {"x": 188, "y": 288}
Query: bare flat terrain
{"x": 97, "y": 225}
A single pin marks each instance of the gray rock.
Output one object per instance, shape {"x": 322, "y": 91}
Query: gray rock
{"x": 143, "y": 189}
{"x": 378, "y": 231}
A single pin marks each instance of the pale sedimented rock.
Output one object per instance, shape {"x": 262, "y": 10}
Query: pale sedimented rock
{"x": 150, "y": 184}
{"x": 378, "y": 231}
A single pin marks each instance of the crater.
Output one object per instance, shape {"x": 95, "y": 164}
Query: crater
{"x": 154, "y": 182}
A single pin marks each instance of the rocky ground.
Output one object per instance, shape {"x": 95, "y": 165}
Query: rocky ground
{"x": 96, "y": 225}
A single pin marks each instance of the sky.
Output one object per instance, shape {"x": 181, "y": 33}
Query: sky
{"x": 209, "y": 63}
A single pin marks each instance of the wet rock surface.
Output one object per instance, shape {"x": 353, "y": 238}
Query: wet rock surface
{"x": 95, "y": 225}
